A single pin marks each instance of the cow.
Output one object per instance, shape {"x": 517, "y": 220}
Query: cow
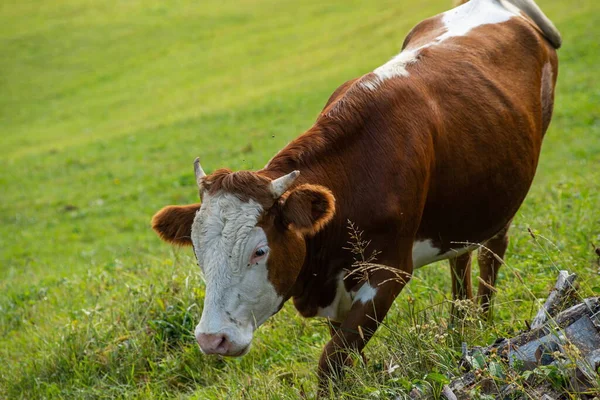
{"x": 430, "y": 155}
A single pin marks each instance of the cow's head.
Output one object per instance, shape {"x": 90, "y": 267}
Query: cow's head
{"x": 249, "y": 239}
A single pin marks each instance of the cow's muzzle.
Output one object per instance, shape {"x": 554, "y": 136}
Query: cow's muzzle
{"x": 219, "y": 343}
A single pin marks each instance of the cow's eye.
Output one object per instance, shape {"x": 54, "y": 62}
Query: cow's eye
{"x": 260, "y": 252}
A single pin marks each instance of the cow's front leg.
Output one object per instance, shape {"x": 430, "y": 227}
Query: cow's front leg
{"x": 370, "y": 305}
{"x": 334, "y": 329}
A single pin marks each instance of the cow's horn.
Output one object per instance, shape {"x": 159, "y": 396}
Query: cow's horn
{"x": 198, "y": 171}
{"x": 280, "y": 185}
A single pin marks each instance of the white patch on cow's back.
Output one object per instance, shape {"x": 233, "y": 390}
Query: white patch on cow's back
{"x": 341, "y": 304}
{"x": 461, "y": 20}
{"x": 365, "y": 293}
{"x": 424, "y": 252}
{"x": 397, "y": 65}
{"x": 458, "y": 22}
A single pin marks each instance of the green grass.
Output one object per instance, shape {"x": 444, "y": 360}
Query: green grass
{"x": 103, "y": 107}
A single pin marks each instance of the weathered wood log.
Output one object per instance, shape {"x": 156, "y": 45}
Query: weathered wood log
{"x": 576, "y": 325}
{"x": 563, "y": 285}
{"x": 574, "y": 333}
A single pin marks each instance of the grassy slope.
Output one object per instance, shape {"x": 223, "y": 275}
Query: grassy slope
{"x": 103, "y": 106}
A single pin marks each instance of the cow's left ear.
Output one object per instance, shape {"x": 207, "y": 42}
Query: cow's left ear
{"x": 308, "y": 208}
{"x": 174, "y": 223}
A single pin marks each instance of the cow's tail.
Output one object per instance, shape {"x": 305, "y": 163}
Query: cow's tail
{"x": 533, "y": 11}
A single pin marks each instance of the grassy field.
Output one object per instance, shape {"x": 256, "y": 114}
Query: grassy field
{"x": 103, "y": 107}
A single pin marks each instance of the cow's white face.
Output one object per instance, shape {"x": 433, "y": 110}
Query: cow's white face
{"x": 249, "y": 239}
{"x": 232, "y": 251}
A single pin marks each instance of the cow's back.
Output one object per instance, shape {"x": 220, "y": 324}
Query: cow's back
{"x": 440, "y": 143}
{"x": 492, "y": 92}
{"x": 468, "y": 109}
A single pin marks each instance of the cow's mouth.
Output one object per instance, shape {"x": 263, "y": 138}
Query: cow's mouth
{"x": 239, "y": 353}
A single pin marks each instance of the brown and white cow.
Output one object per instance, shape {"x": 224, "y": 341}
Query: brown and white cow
{"x": 429, "y": 155}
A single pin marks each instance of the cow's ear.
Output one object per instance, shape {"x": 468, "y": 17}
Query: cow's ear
{"x": 308, "y": 208}
{"x": 174, "y": 223}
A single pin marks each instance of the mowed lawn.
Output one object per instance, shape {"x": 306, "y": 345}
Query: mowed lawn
{"x": 103, "y": 107}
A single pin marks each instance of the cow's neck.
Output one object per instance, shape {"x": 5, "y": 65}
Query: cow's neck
{"x": 314, "y": 154}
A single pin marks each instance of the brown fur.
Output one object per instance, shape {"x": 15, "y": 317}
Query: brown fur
{"x": 489, "y": 259}
{"x": 286, "y": 256}
{"x": 244, "y": 184}
{"x": 308, "y": 208}
{"x": 301, "y": 212}
{"x": 174, "y": 223}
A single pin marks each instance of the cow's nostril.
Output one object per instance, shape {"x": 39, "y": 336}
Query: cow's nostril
{"x": 222, "y": 344}
{"x": 214, "y": 343}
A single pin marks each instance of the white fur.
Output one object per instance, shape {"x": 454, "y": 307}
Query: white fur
{"x": 343, "y": 300}
{"x": 365, "y": 294}
{"x": 341, "y": 304}
{"x": 424, "y": 252}
{"x": 397, "y": 65}
{"x": 239, "y": 296}
{"x": 458, "y": 22}
{"x": 461, "y": 20}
